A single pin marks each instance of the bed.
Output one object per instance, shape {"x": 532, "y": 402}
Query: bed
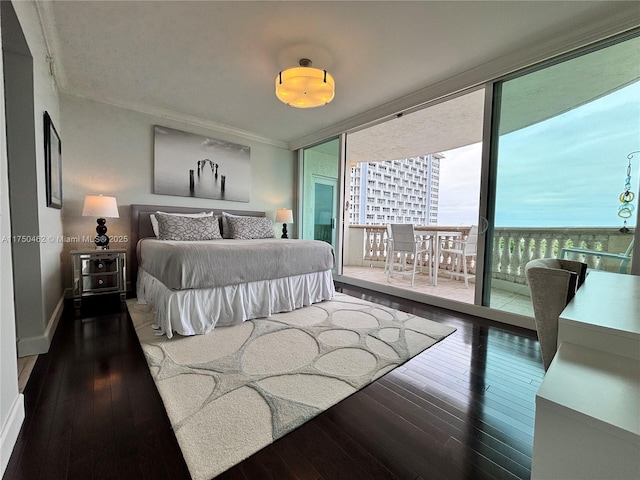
{"x": 197, "y": 285}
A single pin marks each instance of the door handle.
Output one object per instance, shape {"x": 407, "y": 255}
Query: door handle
{"x": 483, "y": 226}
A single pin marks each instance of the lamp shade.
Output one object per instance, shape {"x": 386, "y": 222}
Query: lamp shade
{"x": 284, "y": 215}
{"x": 305, "y": 87}
{"x": 100, "y": 206}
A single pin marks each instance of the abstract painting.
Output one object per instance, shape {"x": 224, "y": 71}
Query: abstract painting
{"x": 190, "y": 165}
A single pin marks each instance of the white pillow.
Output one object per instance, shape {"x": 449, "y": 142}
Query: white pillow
{"x": 154, "y": 220}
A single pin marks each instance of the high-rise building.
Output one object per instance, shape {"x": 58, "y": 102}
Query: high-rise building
{"x": 395, "y": 191}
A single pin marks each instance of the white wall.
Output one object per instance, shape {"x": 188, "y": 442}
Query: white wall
{"x": 45, "y": 99}
{"x": 49, "y": 223}
{"x": 109, "y": 150}
{"x": 49, "y": 219}
{"x": 11, "y": 402}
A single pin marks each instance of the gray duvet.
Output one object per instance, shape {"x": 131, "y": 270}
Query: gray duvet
{"x": 217, "y": 263}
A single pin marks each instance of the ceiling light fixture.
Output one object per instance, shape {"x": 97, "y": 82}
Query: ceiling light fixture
{"x": 305, "y": 87}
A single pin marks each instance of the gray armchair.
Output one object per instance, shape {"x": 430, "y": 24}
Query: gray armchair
{"x": 553, "y": 283}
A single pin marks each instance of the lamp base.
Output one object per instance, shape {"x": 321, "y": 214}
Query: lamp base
{"x": 284, "y": 231}
{"x": 101, "y": 240}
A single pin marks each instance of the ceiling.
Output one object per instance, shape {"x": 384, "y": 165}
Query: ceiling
{"x": 217, "y": 61}
{"x": 526, "y": 100}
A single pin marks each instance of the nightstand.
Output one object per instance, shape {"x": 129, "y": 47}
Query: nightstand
{"x": 98, "y": 272}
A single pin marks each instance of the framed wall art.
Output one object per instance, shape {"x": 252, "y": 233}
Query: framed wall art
{"x": 53, "y": 163}
{"x": 190, "y": 165}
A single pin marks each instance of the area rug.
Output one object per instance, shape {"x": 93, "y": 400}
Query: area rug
{"x": 237, "y": 389}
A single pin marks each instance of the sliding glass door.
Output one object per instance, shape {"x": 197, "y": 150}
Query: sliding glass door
{"x": 565, "y": 153}
{"x": 320, "y": 194}
{"x": 420, "y": 168}
{"x": 545, "y": 163}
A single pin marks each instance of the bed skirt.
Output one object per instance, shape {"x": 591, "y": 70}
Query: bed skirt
{"x": 198, "y": 311}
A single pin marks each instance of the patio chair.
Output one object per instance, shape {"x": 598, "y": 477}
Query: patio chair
{"x": 553, "y": 283}
{"x": 403, "y": 245}
{"x": 624, "y": 258}
{"x": 461, "y": 250}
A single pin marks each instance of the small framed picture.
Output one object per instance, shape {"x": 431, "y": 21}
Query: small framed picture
{"x": 53, "y": 163}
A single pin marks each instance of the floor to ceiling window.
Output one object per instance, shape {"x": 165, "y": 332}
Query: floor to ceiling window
{"x": 557, "y": 171}
{"x": 566, "y": 150}
{"x": 420, "y": 168}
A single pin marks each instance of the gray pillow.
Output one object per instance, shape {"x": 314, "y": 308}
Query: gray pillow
{"x": 154, "y": 222}
{"x": 249, "y": 228}
{"x": 226, "y": 232}
{"x": 172, "y": 227}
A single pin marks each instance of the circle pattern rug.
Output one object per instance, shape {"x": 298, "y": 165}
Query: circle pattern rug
{"x": 235, "y": 390}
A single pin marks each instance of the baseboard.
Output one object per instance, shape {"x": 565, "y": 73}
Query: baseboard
{"x": 40, "y": 343}
{"x": 10, "y": 431}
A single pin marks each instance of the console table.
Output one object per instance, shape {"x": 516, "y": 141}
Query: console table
{"x": 587, "y": 421}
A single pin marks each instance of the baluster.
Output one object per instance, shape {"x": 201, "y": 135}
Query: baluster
{"x": 447, "y": 261}
{"x": 591, "y": 260}
{"x": 369, "y": 243}
{"x": 604, "y": 246}
{"x": 421, "y": 258}
{"x": 506, "y": 255}
{"x": 496, "y": 261}
{"x": 555, "y": 247}
{"x": 548, "y": 246}
{"x": 527, "y": 250}
{"x": 562, "y": 243}
{"x": 516, "y": 258}
{"x": 385, "y": 245}
{"x": 378, "y": 245}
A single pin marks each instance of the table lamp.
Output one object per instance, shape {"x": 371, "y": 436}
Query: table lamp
{"x": 101, "y": 207}
{"x": 284, "y": 216}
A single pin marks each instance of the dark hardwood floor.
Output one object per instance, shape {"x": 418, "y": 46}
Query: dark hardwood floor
{"x": 462, "y": 409}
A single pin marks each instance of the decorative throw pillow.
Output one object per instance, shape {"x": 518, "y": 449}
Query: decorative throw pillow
{"x": 226, "y": 231}
{"x": 154, "y": 221}
{"x": 249, "y": 228}
{"x": 173, "y": 227}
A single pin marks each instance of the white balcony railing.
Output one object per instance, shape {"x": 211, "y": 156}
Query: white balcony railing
{"x": 511, "y": 249}
{"x": 367, "y": 245}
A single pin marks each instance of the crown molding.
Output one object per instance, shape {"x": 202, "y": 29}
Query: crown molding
{"x": 47, "y": 22}
{"x": 607, "y": 27}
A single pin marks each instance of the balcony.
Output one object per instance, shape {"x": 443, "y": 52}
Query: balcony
{"x": 366, "y": 249}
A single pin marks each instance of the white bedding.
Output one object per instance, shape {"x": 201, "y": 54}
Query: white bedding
{"x": 198, "y": 311}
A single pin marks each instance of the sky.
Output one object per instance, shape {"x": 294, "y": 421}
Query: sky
{"x": 460, "y": 186}
{"x": 567, "y": 171}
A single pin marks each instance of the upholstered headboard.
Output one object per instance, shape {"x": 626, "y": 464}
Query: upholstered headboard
{"x": 141, "y": 227}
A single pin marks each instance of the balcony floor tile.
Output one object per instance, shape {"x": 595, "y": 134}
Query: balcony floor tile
{"x": 447, "y": 288}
